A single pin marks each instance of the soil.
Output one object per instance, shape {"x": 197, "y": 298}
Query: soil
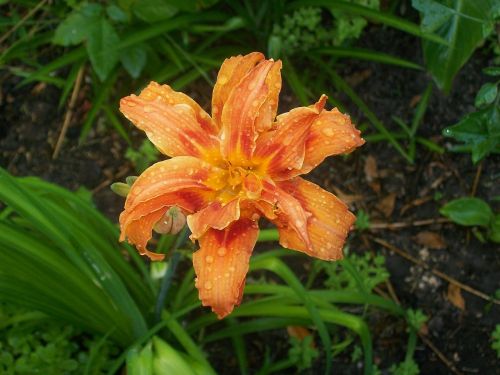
{"x": 375, "y": 179}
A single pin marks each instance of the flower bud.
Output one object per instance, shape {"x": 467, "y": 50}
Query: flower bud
{"x": 171, "y": 222}
{"x": 120, "y": 188}
{"x": 130, "y": 180}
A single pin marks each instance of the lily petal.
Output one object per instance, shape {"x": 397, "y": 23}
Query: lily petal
{"x": 328, "y": 224}
{"x": 332, "y": 133}
{"x": 230, "y": 75}
{"x": 215, "y": 215}
{"x": 284, "y": 149}
{"x": 173, "y": 129}
{"x": 241, "y": 112}
{"x": 165, "y": 94}
{"x": 221, "y": 265}
{"x": 284, "y": 210}
{"x": 183, "y": 181}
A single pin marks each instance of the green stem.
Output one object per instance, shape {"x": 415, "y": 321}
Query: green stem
{"x": 172, "y": 267}
{"x": 268, "y": 235}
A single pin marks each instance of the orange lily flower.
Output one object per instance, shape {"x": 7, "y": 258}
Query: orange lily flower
{"x": 229, "y": 169}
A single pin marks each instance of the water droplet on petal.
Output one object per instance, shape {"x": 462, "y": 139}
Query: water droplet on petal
{"x": 222, "y": 80}
{"x": 288, "y": 139}
{"x": 209, "y": 259}
{"x": 221, "y": 251}
{"x": 208, "y": 285}
{"x": 328, "y": 132}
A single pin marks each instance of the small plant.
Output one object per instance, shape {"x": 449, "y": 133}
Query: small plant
{"x": 495, "y": 337}
{"x": 32, "y": 343}
{"x": 362, "y": 220}
{"x": 356, "y": 272}
{"x": 480, "y": 131}
{"x": 305, "y": 29}
{"x": 415, "y": 319}
{"x": 302, "y": 352}
{"x": 410, "y": 131}
{"x": 405, "y": 368}
{"x": 142, "y": 158}
{"x": 474, "y": 212}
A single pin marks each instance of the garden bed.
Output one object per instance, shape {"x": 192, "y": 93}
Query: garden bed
{"x": 401, "y": 200}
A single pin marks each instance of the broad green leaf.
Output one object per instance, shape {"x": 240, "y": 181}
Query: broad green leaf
{"x": 480, "y": 130}
{"x": 117, "y": 14}
{"x": 78, "y": 25}
{"x": 495, "y": 229}
{"x": 102, "y": 48}
{"x": 134, "y": 59}
{"x": 492, "y": 71}
{"x": 154, "y": 10}
{"x": 464, "y": 24}
{"x": 486, "y": 95}
{"x": 468, "y": 212}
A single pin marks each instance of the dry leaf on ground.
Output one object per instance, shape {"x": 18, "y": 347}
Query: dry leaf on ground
{"x": 386, "y": 205}
{"x": 432, "y": 240}
{"x": 454, "y": 295}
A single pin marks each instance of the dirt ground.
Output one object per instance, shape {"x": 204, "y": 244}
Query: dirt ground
{"x": 375, "y": 178}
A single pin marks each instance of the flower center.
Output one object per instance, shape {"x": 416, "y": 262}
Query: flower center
{"x": 241, "y": 182}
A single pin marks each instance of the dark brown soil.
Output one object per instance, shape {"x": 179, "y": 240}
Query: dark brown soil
{"x": 30, "y": 123}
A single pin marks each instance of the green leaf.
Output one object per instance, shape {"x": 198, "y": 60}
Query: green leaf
{"x": 167, "y": 360}
{"x": 462, "y": 23}
{"x": 58, "y": 255}
{"x": 366, "y": 54}
{"x": 117, "y": 14}
{"x": 486, "y": 95}
{"x": 134, "y": 59}
{"x": 154, "y": 10}
{"x": 468, "y": 212}
{"x": 140, "y": 362}
{"x": 102, "y": 48}
{"x": 495, "y": 229}
{"x": 191, "y": 5}
{"x": 492, "y": 71}
{"x": 78, "y": 25}
{"x": 480, "y": 130}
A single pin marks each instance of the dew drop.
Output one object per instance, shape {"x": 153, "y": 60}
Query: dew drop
{"x": 209, "y": 259}
{"x": 208, "y": 285}
{"x": 288, "y": 139}
{"x": 221, "y": 251}
{"x": 222, "y": 80}
{"x": 231, "y": 269}
{"x": 328, "y": 132}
